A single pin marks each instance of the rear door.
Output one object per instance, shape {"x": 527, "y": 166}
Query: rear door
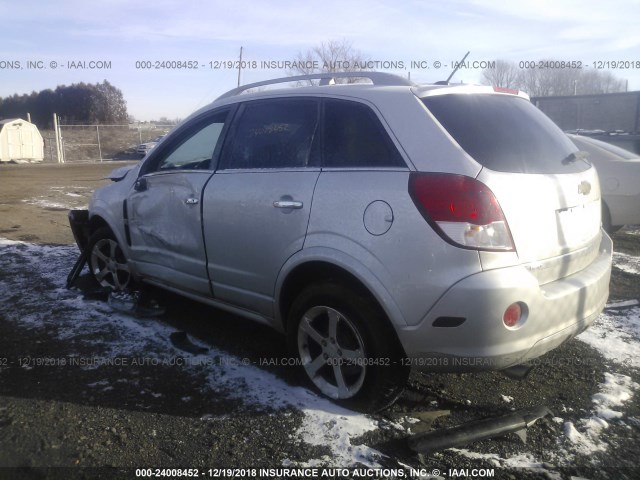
{"x": 256, "y": 206}
{"x": 549, "y": 195}
{"x": 165, "y": 206}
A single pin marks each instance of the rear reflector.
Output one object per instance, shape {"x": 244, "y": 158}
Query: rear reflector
{"x": 462, "y": 210}
{"x": 512, "y": 315}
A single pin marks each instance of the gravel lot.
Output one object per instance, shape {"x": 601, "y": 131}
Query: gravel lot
{"x": 88, "y": 389}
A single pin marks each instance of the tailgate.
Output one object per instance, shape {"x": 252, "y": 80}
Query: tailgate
{"x": 549, "y": 194}
{"x": 554, "y": 219}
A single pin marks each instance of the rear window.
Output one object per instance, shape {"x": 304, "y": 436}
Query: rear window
{"x": 505, "y": 133}
{"x": 354, "y": 137}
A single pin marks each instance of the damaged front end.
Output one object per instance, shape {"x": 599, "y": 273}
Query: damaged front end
{"x": 79, "y": 222}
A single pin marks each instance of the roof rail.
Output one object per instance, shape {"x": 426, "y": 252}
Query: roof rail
{"x": 377, "y": 78}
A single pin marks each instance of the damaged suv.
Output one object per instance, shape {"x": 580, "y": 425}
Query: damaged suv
{"x": 382, "y": 226}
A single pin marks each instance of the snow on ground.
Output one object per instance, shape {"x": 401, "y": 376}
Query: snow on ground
{"x": 43, "y": 202}
{"x": 626, "y": 263}
{"x": 614, "y": 392}
{"x": 79, "y": 198}
{"x": 616, "y": 335}
{"x": 324, "y": 422}
{"x": 521, "y": 461}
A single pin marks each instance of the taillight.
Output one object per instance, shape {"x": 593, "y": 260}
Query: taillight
{"x": 462, "y": 210}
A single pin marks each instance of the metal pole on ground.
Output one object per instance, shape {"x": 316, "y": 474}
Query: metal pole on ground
{"x": 99, "y": 148}
{"x": 56, "y": 129}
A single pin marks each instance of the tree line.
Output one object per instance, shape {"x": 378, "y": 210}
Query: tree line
{"x": 79, "y": 103}
{"x": 538, "y": 81}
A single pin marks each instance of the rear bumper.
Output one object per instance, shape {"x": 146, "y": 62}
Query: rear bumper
{"x": 554, "y": 313}
{"x": 79, "y": 222}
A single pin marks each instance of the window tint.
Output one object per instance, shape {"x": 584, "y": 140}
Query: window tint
{"x": 196, "y": 151}
{"x": 354, "y": 137}
{"x": 505, "y": 133}
{"x": 272, "y": 134}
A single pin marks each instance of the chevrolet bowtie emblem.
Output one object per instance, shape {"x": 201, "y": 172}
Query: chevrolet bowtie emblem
{"x": 584, "y": 188}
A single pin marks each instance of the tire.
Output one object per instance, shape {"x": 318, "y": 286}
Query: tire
{"x": 107, "y": 262}
{"x": 346, "y": 346}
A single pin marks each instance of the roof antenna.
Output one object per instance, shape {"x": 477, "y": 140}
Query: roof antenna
{"x": 458, "y": 65}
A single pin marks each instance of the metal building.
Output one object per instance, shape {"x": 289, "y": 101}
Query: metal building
{"x": 613, "y": 117}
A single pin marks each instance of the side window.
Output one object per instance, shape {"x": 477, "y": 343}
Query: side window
{"x": 196, "y": 150}
{"x": 354, "y": 137}
{"x": 274, "y": 133}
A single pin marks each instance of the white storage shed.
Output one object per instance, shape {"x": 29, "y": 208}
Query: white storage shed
{"x": 20, "y": 141}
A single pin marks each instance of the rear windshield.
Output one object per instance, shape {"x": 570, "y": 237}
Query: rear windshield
{"x": 505, "y": 133}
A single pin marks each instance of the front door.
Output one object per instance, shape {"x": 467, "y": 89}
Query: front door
{"x": 165, "y": 207}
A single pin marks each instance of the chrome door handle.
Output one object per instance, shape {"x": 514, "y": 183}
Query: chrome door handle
{"x": 287, "y": 204}
{"x": 191, "y": 201}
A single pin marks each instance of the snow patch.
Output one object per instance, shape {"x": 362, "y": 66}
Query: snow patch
{"x": 114, "y": 334}
{"x": 44, "y": 203}
{"x": 616, "y": 335}
{"x": 626, "y": 263}
{"x": 582, "y": 442}
{"x": 614, "y": 392}
{"x": 519, "y": 461}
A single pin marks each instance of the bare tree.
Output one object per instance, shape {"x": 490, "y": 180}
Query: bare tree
{"x": 539, "y": 81}
{"x": 331, "y": 56}
{"x": 503, "y": 74}
{"x": 603, "y": 81}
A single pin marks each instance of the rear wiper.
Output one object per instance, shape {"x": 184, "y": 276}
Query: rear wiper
{"x": 572, "y": 157}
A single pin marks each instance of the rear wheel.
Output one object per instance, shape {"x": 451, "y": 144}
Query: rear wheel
{"x": 346, "y": 346}
{"x": 107, "y": 262}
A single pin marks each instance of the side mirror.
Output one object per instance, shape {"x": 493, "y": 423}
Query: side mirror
{"x": 140, "y": 185}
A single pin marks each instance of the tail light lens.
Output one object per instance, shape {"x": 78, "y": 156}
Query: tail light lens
{"x": 462, "y": 210}
{"x": 512, "y": 315}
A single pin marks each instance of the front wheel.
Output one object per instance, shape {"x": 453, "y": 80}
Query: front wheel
{"x": 347, "y": 348}
{"x": 107, "y": 262}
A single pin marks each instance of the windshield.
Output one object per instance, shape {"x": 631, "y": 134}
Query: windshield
{"x": 505, "y": 133}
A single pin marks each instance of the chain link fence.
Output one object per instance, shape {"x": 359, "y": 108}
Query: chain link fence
{"x": 96, "y": 143}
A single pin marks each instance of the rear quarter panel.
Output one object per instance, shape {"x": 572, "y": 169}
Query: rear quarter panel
{"x": 409, "y": 261}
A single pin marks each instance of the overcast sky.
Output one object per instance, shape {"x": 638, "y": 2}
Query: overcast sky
{"x": 124, "y": 32}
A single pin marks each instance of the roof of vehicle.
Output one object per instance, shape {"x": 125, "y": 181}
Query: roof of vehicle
{"x": 328, "y": 83}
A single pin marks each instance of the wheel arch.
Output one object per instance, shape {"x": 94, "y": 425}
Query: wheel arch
{"x": 317, "y": 267}
{"x": 101, "y": 217}
{"x": 96, "y": 222}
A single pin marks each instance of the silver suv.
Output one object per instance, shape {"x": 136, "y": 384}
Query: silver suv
{"x": 382, "y": 226}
